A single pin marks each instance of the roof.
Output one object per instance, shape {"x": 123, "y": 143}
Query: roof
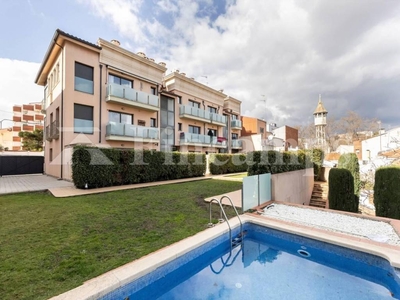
{"x": 320, "y": 107}
{"x": 59, "y": 33}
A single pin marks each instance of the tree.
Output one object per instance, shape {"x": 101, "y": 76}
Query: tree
{"x": 32, "y": 141}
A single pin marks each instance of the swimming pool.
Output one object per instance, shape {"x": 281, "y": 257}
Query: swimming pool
{"x": 269, "y": 264}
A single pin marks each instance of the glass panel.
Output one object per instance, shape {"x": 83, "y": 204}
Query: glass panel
{"x": 83, "y": 71}
{"x": 130, "y": 130}
{"x": 114, "y": 117}
{"x": 113, "y": 79}
{"x": 170, "y": 104}
{"x": 164, "y": 118}
{"x": 83, "y": 126}
{"x": 171, "y": 120}
{"x": 130, "y": 94}
{"x": 250, "y": 192}
{"x": 153, "y": 100}
{"x": 83, "y": 112}
{"x": 126, "y": 119}
{"x": 265, "y": 188}
{"x": 126, "y": 83}
{"x": 83, "y": 85}
{"x": 142, "y": 97}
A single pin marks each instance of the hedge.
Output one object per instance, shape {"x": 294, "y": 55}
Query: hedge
{"x": 227, "y": 163}
{"x": 261, "y": 162}
{"x": 100, "y": 167}
{"x": 341, "y": 190}
{"x": 349, "y": 161}
{"x": 387, "y": 192}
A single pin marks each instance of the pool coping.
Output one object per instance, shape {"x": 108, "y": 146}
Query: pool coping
{"x": 107, "y": 282}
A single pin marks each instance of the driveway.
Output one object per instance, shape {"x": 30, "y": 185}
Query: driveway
{"x": 30, "y": 183}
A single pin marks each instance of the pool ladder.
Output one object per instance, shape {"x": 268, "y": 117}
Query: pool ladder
{"x": 239, "y": 238}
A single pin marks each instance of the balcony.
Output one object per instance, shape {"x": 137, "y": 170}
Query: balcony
{"x": 236, "y": 144}
{"x": 52, "y": 131}
{"x": 193, "y": 139}
{"x": 194, "y": 113}
{"x": 131, "y": 133}
{"x": 124, "y": 95}
{"x": 236, "y": 124}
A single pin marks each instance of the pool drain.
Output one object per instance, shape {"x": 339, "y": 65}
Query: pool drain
{"x": 303, "y": 253}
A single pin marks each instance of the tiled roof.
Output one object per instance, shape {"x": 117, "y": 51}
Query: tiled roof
{"x": 59, "y": 31}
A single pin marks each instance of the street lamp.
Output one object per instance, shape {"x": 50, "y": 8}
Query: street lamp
{"x": 1, "y": 122}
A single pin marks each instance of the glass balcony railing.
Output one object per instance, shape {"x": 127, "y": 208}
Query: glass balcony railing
{"x": 197, "y": 113}
{"x": 236, "y": 124}
{"x": 137, "y": 97}
{"x": 132, "y": 131}
{"x": 236, "y": 144}
{"x": 194, "y": 138}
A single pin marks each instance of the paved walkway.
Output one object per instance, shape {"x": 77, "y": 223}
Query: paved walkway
{"x": 62, "y": 188}
{"x": 30, "y": 183}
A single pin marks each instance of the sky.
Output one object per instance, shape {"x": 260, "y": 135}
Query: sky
{"x": 275, "y": 56}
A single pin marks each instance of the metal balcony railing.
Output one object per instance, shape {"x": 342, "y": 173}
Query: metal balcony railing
{"x": 236, "y": 124}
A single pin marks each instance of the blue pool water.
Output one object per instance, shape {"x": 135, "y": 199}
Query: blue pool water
{"x": 269, "y": 264}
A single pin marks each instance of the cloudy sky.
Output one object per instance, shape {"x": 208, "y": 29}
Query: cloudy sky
{"x": 275, "y": 56}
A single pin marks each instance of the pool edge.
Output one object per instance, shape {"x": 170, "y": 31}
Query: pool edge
{"x": 109, "y": 281}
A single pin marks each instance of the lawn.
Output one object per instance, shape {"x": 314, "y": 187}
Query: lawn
{"x": 50, "y": 245}
{"x": 240, "y": 176}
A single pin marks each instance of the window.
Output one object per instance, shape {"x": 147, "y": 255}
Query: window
{"x": 120, "y": 81}
{"x": 194, "y": 129}
{"x": 179, "y": 126}
{"x": 234, "y": 117}
{"x": 117, "y": 117}
{"x": 83, "y": 78}
{"x": 51, "y": 154}
{"x": 153, "y": 122}
{"x": 235, "y": 136}
{"x": 83, "y": 119}
{"x": 212, "y": 109}
{"x": 261, "y": 130}
{"x": 141, "y": 123}
{"x": 194, "y": 103}
{"x": 153, "y": 90}
{"x": 179, "y": 99}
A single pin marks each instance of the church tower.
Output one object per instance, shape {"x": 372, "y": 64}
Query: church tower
{"x": 320, "y": 114}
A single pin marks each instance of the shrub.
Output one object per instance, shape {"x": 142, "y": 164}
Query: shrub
{"x": 227, "y": 163}
{"x": 317, "y": 158}
{"x": 387, "y": 192}
{"x": 261, "y": 162}
{"x": 100, "y": 167}
{"x": 349, "y": 161}
{"x": 341, "y": 190}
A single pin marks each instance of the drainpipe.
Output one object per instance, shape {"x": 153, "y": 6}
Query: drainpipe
{"x": 62, "y": 109}
{"x": 101, "y": 88}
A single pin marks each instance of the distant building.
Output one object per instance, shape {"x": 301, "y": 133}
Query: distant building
{"x": 6, "y": 138}
{"x": 289, "y": 136}
{"x": 26, "y": 117}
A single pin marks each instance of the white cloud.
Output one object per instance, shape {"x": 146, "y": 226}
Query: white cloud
{"x": 290, "y": 51}
{"x": 17, "y": 86}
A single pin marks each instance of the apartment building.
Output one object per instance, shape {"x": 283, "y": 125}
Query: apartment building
{"x": 201, "y": 119}
{"x": 26, "y": 117}
{"x": 104, "y": 95}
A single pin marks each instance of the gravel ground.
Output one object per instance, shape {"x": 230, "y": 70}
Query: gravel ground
{"x": 373, "y": 230}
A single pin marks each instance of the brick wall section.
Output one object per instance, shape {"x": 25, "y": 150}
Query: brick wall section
{"x": 292, "y": 136}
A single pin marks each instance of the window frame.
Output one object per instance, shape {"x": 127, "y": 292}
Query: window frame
{"x": 120, "y": 115}
{"x": 91, "y": 92}
{"x": 92, "y": 120}
{"x": 194, "y": 103}
{"x": 193, "y": 127}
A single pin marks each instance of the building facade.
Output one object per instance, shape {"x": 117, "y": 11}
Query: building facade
{"x": 199, "y": 119}
{"x": 26, "y": 117}
{"x": 104, "y": 95}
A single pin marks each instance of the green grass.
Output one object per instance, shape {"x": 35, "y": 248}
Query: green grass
{"x": 241, "y": 176}
{"x": 50, "y": 245}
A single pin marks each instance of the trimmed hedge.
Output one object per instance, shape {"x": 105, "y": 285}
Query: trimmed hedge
{"x": 349, "y": 161}
{"x": 227, "y": 163}
{"x": 341, "y": 191}
{"x": 261, "y": 162}
{"x": 387, "y": 192}
{"x": 100, "y": 167}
